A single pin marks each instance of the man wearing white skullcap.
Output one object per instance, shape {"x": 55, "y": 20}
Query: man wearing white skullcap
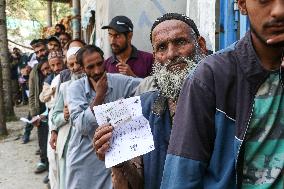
{"x": 60, "y": 116}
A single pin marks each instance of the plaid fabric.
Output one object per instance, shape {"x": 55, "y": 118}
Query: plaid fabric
{"x": 55, "y": 54}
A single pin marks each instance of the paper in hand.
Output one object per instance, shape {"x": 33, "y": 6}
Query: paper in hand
{"x": 34, "y": 119}
{"x": 132, "y": 134}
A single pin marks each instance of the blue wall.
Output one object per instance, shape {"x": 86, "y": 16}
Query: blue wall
{"x": 230, "y": 21}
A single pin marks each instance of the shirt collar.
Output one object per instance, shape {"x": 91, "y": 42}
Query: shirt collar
{"x": 134, "y": 54}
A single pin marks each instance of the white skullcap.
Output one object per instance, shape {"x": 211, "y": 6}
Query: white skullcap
{"x": 72, "y": 51}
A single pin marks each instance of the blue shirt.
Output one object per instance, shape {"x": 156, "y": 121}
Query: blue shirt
{"x": 84, "y": 169}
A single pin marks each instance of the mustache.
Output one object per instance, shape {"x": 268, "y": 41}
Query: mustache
{"x": 274, "y": 23}
{"x": 114, "y": 45}
{"x": 177, "y": 61}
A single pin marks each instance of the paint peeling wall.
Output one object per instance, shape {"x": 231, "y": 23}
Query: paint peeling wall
{"x": 142, "y": 13}
{"x": 203, "y": 14}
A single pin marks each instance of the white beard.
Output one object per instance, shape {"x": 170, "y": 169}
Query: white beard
{"x": 169, "y": 82}
{"x": 77, "y": 76}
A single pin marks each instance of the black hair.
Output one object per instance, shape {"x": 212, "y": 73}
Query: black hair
{"x": 88, "y": 49}
{"x": 175, "y": 16}
{"x": 62, "y": 27}
{"x": 37, "y": 42}
{"x": 66, "y": 34}
{"x": 71, "y": 41}
{"x": 41, "y": 62}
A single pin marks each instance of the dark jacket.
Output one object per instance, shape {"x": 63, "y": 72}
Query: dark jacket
{"x": 156, "y": 111}
{"x": 213, "y": 113}
{"x": 35, "y": 87}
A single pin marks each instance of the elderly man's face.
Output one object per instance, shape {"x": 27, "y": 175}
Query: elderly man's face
{"x": 176, "y": 51}
{"x": 73, "y": 66}
{"x": 172, "y": 39}
{"x": 56, "y": 65}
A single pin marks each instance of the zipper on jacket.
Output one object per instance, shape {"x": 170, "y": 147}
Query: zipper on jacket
{"x": 247, "y": 125}
{"x": 251, "y": 112}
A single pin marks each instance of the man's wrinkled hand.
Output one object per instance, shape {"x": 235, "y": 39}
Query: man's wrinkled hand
{"x": 101, "y": 140}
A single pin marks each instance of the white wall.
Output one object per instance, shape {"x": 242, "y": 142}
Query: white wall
{"x": 203, "y": 14}
{"x": 142, "y": 13}
{"x": 102, "y": 17}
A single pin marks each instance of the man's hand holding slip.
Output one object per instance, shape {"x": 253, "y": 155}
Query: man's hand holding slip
{"x": 101, "y": 140}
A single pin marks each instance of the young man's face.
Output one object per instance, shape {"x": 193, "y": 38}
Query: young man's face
{"x": 40, "y": 51}
{"x": 45, "y": 69}
{"x": 56, "y": 65}
{"x": 58, "y": 29}
{"x": 53, "y": 46}
{"x": 266, "y": 18}
{"x": 63, "y": 39}
{"x": 93, "y": 65}
{"x": 118, "y": 41}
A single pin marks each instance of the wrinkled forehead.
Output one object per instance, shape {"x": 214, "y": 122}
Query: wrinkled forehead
{"x": 171, "y": 29}
{"x": 72, "y": 58}
{"x": 55, "y": 60}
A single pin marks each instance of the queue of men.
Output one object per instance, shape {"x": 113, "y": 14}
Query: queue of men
{"x": 216, "y": 121}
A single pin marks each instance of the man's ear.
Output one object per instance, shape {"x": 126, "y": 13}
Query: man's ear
{"x": 129, "y": 36}
{"x": 242, "y": 7}
{"x": 202, "y": 44}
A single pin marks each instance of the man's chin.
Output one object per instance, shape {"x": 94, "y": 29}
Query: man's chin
{"x": 278, "y": 45}
{"x": 97, "y": 78}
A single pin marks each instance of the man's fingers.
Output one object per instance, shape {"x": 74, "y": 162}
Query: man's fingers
{"x": 52, "y": 144}
{"x": 103, "y": 126}
{"x": 102, "y": 150}
{"x": 121, "y": 64}
{"x": 277, "y": 39}
{"x": 122, "y": 70}
{"x": 101, "y": 131}
{"x": 103, "y": 140}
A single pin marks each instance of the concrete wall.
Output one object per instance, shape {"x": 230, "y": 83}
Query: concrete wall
{"x": 142, "y": 13}
{"x": 102, "y": 17}
{"x": 203, "y": 14}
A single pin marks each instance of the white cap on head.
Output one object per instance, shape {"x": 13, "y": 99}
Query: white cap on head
{"x": 72, "y": 51}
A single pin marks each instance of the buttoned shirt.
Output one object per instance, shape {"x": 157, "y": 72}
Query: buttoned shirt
{"x": 84, "y": 169}
{"x": 140, "y": 63}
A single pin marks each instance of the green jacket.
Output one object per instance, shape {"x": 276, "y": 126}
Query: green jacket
{"x": 35, "y": 87}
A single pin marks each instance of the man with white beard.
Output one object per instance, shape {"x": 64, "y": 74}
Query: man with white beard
{"x": 177, "y": 48}
{"x": 60, "y": 116}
